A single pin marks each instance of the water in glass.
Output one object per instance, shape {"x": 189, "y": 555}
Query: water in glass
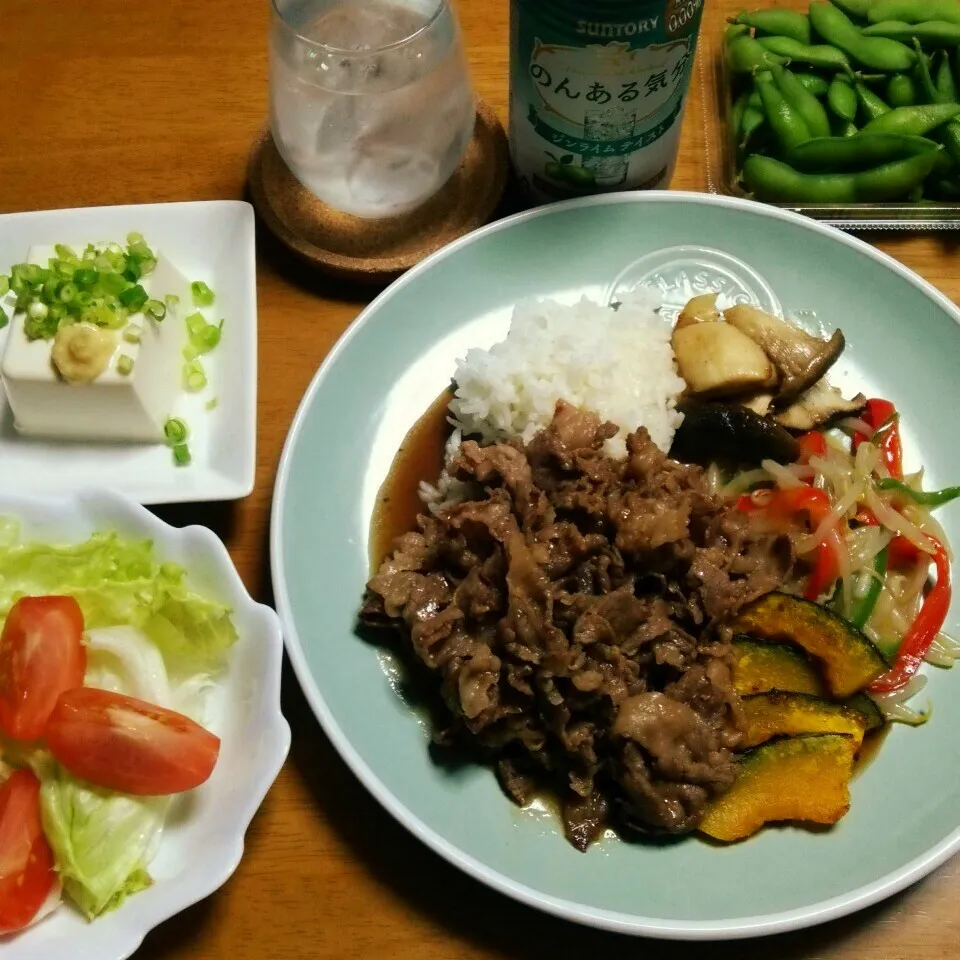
{"x": 371, "y": 104}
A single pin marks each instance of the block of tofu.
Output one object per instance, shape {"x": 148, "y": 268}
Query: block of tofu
{"x": 114, "y": 406}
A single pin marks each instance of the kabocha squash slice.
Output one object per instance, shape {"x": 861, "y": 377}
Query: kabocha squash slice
{"x": 795, "y": 779}
{"x": 777, "y": 714}
{"x": 759, "y": 667}
{"x": 847, "y": 658}
{"x": 867, "y": 707}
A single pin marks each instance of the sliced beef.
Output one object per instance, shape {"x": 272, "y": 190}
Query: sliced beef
{"x": 574, "y": 616}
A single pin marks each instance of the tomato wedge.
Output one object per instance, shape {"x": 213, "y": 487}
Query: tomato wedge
{"x": 26, "y": 861}
{"x": 41, "y": 656}
{"x": 125, "y": 744}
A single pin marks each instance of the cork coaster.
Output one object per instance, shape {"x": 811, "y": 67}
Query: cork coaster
{"x": 377, "y": 251}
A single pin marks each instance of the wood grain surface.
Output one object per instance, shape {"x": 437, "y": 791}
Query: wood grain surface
{"x": 159, "y": 100}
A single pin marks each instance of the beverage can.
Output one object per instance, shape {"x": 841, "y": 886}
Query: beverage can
{"x": 597, "y": 89}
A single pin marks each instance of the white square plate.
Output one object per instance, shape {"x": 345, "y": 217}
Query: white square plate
{"x": 211, "y": 241}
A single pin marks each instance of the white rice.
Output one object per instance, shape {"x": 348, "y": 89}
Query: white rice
{"x": 617, "y": 363}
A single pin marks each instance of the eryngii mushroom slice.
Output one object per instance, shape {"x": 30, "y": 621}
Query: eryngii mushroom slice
{"x": 801, "y": 358}
{"x": 818, "y": 406}
{"x": 699, "y": 309}
{"x": 717, "y": 360}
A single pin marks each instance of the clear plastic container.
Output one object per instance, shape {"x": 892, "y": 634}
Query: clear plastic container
{"x": 717, "y": 82}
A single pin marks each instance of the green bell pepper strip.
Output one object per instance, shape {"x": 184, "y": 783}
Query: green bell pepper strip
{"x": 863, "y": 607}
{"x": 925, "y": 498}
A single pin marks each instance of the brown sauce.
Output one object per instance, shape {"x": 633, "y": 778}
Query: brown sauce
{"x": 420, "y": 458}
{"x": 870, "y": 747}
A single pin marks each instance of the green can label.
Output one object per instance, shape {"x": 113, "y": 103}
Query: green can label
{"x": 597, "y": 92}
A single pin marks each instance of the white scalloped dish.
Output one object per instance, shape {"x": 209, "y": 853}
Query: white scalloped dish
{"x": 203, "y": 837}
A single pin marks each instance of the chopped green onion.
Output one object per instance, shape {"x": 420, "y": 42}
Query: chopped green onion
{"x": 181, "y": 454}
{"x": 202, "y": 295}
{"x": 175, "y": 430}
{"x": 171, "y": 300}
{"x": 190, "y": 352}
{"x": 132, "y": 333}
{"x": 195, "y": 323}
{"x": 926, "y": 498}
{"x": 133, "y": 297}
{"x": 206, "y": 339}
{"x": 155, "y": 309}
{"x": 39, "y": 328}
{"x": 124, "y": 365}
{"x": 193, "y": 376}
{"x": 131, "y": 269}
{"x": 99, "y": 286}
{"x": 4, "y": 319}
{"x": 211, "y": 403}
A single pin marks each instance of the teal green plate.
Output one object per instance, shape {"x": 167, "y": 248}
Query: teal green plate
{"x": 903, "y": 343}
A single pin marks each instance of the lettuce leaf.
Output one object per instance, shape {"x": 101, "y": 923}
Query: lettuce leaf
{"x": 102, "y": 841}
{"x": 150, "y": 636}
{"x": 119, "y": 582}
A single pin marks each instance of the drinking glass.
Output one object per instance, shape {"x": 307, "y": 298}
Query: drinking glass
{"x": 371, "y": 106}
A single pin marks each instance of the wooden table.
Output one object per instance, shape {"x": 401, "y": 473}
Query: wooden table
{"x": 159, "y": 100}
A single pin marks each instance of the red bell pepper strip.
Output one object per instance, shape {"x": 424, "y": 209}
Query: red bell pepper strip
{"x": 882, "y": 413}
{"x": 902, "y": 553}
{"x": 786, "y": 504}
{"x": 924, "y": 629}
{"x": 811, "y": 444}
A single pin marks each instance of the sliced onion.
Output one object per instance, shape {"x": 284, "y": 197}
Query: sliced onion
{"x": 893, "y": 705}
{"x": 853, "y": 425}
{"x": 741, "y": 483}
{"x": 939, "y": 656}
{"x": 864, "y": 543}
{"x": 950, "y": 644}
{"x": 897, "y": 522}
{"x": 785, "y": 478}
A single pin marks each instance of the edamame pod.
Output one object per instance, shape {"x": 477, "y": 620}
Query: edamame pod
{"x": 849, "y": 130}
{"x": 878, "y": 53}
{"x": 901, "y": 90}
{"x": 923, "y": 73}
{"x": 804, "y": 102}
{"x": 733, "y": 31}
{"x": 753, "y": 120}
{"x": 950, "y": 135}
{"x": 778, "y": 22}
{"x": 914, "y": 11}
{"x": 736, "y": 116}
{"x": 787, "y": 124}
{"x": 947, "y": 91}
{"x": 854, "y": 8}
{"x": 860, "y": 152}
{"x": 914, "y": 121}
{"x": 842, "y": 99}
{"x": 873, "y": 106}
{"x": 769, "y": 179}
{"x": 745, "y": 55}
{"x": 821, "y": 55}
{"x": 934, "y": 33}
{"x": 814, "y": 83}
